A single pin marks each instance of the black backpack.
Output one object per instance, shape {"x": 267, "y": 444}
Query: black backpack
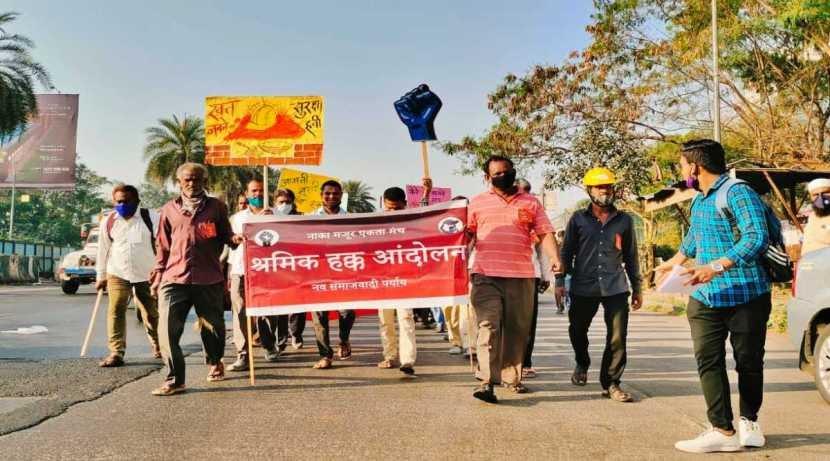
{"x": 774, "y": 258}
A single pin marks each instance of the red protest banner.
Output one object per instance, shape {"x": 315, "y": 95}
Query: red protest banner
{"x": 409, "y": 258}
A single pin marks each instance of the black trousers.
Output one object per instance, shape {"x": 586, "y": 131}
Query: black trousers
{"x": 290, "y": 326}
{"x": 321, "y": 330}
{"x": 528, "y": 361}
{"x": 583, "y": 310}
{"x": 746, "y": 327}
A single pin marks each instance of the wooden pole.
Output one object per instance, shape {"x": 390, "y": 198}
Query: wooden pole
{"x": 91, "y": 322}
{"x": 781, "y": 199}
{"x": 265, "y": 187}
{"x": 250, "y": 351}
{"x": 425, "y": 158}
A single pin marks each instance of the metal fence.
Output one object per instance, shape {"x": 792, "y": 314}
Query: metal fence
{"x": 49, "y": 256}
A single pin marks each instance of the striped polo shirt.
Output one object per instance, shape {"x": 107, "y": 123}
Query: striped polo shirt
{"x": 502, "y": 228}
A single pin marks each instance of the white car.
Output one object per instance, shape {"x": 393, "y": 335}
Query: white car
{"x": 78, "y": 267}
{"x": 808, "y": 317}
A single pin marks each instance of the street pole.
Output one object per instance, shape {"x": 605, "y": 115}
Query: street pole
{"x": 715, "y": 72}
{"x": 14, "y": 186}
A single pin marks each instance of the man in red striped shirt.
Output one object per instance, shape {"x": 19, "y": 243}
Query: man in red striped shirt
{"x": 501, "y": 221}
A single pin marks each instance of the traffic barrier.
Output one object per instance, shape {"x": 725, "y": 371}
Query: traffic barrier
{"x": 17, "y": 269}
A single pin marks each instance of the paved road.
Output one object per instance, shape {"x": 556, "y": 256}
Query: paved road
{"x": 357, "y": 411}
{"x": 66, "y": 318}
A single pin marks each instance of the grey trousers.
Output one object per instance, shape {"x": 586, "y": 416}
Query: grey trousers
{"x": 266, "y": 326}
{"x": 504, "y": 309}
{"x": 175, "y": 302}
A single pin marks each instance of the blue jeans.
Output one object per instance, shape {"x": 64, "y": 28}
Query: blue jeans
{"x": 437, "y": 315}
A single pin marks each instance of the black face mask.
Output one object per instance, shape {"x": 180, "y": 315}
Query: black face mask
{"x": 505, "y": 181}
{"x": 821, "y": 205}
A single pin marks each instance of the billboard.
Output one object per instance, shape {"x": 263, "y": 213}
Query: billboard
{"x": 42, "y": 155}
{"x": 264, "y": 130}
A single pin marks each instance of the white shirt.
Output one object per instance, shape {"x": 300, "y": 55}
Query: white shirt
{"x": 236, "y": 258}
{"x": 129, "y": 255}
{"x": 322, "y": 211}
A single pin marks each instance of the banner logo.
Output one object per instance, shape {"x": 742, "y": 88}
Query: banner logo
{"x": 451, "y": 225}
{"x": 266, "y": 238}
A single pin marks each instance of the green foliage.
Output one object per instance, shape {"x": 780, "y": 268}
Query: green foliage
{"x": 153, "y": 196}
{"x": 360, "y": 197}
{"x": 19, "y": 73}
{"x": 175, "y": 141}
{"x": 170, "y": 144}
{"x": 55, "y": 217}
{"x": 645, "y": 79}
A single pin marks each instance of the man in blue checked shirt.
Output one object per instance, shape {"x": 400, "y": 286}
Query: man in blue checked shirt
{"x": 732, "y": 297}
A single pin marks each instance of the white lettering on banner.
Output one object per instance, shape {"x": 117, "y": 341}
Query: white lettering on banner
{"x": 396, "y": 283}
{"x": 354, "y": 261}
{"x": 341, "y": 286}
{"x": 420, "y": 255}
{"x": 284, "y": 260}
{"x": 351, "y": 235}
{"x": 351, "y": 261}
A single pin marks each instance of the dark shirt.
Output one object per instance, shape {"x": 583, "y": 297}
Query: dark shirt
{"x": 189, "y": 245}
{"x": 598, "y": 256}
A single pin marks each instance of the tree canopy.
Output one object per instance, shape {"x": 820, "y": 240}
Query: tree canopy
{"x": 645, "y": 79}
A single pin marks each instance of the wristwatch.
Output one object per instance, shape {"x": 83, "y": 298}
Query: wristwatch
{"x": 717, "y": 267}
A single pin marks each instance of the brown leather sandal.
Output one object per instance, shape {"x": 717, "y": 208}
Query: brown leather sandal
{"x": 323, "y": 364}
{"x": 217, "y": 372}
{"x": 580, "y": 377}
{"x": 169, "y": 389}
{"x": 616, "y": 394}
{"x": 111, "y": 361}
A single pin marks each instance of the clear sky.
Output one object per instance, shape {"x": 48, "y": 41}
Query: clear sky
{"x": 134, "y": 62}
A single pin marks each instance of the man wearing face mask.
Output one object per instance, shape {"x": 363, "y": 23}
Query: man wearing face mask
{"x": 817, "y": 230}
{"x": 501, "y": 223}
{"x": 599, "y": 252}
{"x": 289, "y": 325}
{"x": 125, "y": 258}
{"x": 731, "y": 300}
{"x": 265, "y": 325}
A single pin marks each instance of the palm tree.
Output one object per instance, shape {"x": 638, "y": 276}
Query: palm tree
{"x": 18, "y": 73}
{"x": 173, "y": 142}
{"x": 360, "y": 197}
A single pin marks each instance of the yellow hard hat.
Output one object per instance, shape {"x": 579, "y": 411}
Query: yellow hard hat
{"x": 598, "y": 177}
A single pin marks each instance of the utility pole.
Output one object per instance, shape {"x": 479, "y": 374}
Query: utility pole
{"x": 715, "y": 72}
{"x": 14, "y": 185}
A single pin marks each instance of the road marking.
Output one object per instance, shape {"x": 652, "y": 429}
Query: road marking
{"x": 12, "y": 291}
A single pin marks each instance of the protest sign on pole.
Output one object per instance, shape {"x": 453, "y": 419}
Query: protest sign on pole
{"x": 414, "y": 192}
{"x": 306, "y": 188}
{"x": 417, "y": 110}
{"x": 264, "y": 130}
{"x": 402, "y": 259}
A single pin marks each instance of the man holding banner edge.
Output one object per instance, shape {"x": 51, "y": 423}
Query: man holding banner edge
{"x": 501, "y": 221}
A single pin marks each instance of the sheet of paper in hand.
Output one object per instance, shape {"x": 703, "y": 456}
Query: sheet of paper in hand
{"x": 674, "y": 282}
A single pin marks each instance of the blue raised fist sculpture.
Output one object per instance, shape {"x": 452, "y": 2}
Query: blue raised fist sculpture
{"x": 417, "y": 110}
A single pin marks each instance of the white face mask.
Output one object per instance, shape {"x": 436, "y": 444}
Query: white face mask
{"x": 284, "y": 208}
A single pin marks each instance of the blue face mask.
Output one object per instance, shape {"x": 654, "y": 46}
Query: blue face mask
{"x": 125, "y": 210}
{"x": 255, "y": 202}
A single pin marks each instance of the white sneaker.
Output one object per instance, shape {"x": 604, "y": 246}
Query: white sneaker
{"x": 750, "y": 433}
{"x": 710, "y": 441}
{"x": 456, "y": 350}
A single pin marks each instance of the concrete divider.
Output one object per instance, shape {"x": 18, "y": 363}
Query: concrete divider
{"x": 17, "y": 269}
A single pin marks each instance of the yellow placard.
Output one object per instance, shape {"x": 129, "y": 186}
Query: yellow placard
{"x": 306, "y": 188}
{"x": 264, "y": 130}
